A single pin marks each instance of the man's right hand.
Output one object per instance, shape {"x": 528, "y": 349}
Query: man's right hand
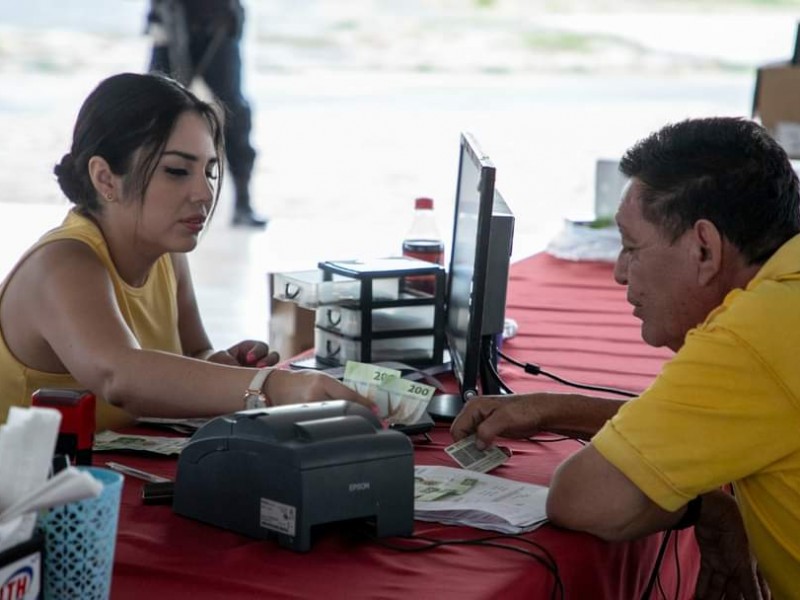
{"x": 524, "y": 415}
{"x": 491, "y": 416}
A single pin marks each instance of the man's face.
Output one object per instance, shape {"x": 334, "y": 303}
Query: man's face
{"x": 661, "y": 275}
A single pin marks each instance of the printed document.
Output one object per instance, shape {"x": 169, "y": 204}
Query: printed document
{"x": 458, "y": 497}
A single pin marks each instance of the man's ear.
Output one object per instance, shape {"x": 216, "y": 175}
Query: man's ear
{"x": 103, "y": 179}
{"x": 708, "y": 247}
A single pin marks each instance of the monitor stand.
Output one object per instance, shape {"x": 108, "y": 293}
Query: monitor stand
{"x": 445, "y": 407}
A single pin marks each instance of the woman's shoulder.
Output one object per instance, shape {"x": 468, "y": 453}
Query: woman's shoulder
{"x": 65, "y": 250}
{"x": 75, "y": 226}
{"x": 67, "y": 246}
{"x": 59, "y": 261}
{"x": 51, "y": 270}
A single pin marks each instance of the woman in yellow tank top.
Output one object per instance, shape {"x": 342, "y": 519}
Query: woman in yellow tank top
{"x": 105, "y": 301}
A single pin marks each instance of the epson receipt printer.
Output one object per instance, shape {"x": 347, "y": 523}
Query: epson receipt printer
{"x": 276, "y": 472}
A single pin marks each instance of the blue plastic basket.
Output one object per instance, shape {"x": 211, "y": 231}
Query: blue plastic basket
{"x": 79, "y": 540}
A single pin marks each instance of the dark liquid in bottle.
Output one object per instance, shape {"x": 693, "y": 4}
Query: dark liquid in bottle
{"x": 430, "y": 251}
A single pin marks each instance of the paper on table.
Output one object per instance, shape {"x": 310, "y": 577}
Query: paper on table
{"x": 110, "y": 441}
{"x": 456, "y": 496}
{"x": 186, "y": 426}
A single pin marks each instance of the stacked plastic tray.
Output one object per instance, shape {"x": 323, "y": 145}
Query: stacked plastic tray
{"x": 372, "y": 311}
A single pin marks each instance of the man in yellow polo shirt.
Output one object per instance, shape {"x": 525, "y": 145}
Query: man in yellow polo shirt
{"x": 711, "y": 260}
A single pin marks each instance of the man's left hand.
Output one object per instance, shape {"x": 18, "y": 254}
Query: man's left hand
{"x": 727, "y": 568}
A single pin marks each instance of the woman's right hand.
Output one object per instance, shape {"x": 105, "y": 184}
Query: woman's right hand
{"x": 297, "y": 387}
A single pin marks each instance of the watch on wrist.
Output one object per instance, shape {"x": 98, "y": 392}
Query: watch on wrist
{"x": 254, "y": 396}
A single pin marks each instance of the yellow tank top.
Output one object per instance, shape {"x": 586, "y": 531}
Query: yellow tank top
{"x": 151, "y": 312}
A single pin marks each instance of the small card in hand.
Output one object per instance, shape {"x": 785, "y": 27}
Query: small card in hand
{"x": 469, "y": 457}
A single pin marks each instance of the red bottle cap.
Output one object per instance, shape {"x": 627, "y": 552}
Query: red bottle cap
{"x": 423, "y": 204}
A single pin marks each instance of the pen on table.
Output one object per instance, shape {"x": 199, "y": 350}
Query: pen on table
{"x": 139, "y": 474}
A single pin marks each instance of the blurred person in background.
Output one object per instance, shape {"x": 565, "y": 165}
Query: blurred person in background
{"x": 200, "y": 39}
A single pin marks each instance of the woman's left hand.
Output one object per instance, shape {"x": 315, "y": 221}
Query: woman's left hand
{"x": 248, "y": 353}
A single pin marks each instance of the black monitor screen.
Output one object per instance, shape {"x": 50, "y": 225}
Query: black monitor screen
{"x": 469, "y": 258}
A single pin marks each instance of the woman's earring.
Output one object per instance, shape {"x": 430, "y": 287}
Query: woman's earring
{"x": 110, "y": 197}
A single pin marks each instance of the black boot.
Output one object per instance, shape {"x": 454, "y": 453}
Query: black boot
{"x": 243, "y": 214}
{"x": 246, "y": 216}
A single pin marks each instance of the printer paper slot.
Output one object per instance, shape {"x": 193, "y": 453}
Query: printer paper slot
{"x": 333, "y": 428}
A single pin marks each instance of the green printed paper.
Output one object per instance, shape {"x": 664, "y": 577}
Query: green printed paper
{"x": 406, "y": 400}
{"x": 366, "y": 379}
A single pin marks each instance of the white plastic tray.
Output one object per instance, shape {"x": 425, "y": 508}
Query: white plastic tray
{"x": 334, "y": 348}
{"x": 347, "y": 321}
{"x": 309, "y": 290}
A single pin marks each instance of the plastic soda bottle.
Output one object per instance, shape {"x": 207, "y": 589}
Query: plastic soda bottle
{"x": 424, "y": 242}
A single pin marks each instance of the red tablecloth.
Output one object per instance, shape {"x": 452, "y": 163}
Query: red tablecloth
{"x": 574, "y": 321}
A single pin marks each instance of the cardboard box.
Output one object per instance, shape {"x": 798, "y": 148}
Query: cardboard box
{"x": 777, "y": 94}
{"x": 776, "y": 100}
{"x": 291, "y": 327}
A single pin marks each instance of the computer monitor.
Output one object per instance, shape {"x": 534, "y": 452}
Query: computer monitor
{"x": 483, "y": 231}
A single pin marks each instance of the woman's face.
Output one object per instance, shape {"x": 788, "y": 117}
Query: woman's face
{"x": 181, "y": 192}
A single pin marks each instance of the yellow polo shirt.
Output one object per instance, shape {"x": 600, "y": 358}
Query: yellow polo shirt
{"x": 151, "y": 312}
{"x": 726, "y": 409}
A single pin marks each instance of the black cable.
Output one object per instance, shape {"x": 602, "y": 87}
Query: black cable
{"x": 436, "y": 542}
{"x": 677, "y": 567}
{"x": 661, "y": 587}
{"x": 496, "y": 376}
{"x": 565, "y": 438}
{"x": 491, "y": 382}
{"x": 657, "y": 567}
{"x": 534, "y": 369}
{"x": 558, "y": 588}
{"x": 547, "y": 560}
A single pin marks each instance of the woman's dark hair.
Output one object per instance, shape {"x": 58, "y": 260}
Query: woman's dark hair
{"x": 727, "y": 170}
{"x": 124, "y": 114}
